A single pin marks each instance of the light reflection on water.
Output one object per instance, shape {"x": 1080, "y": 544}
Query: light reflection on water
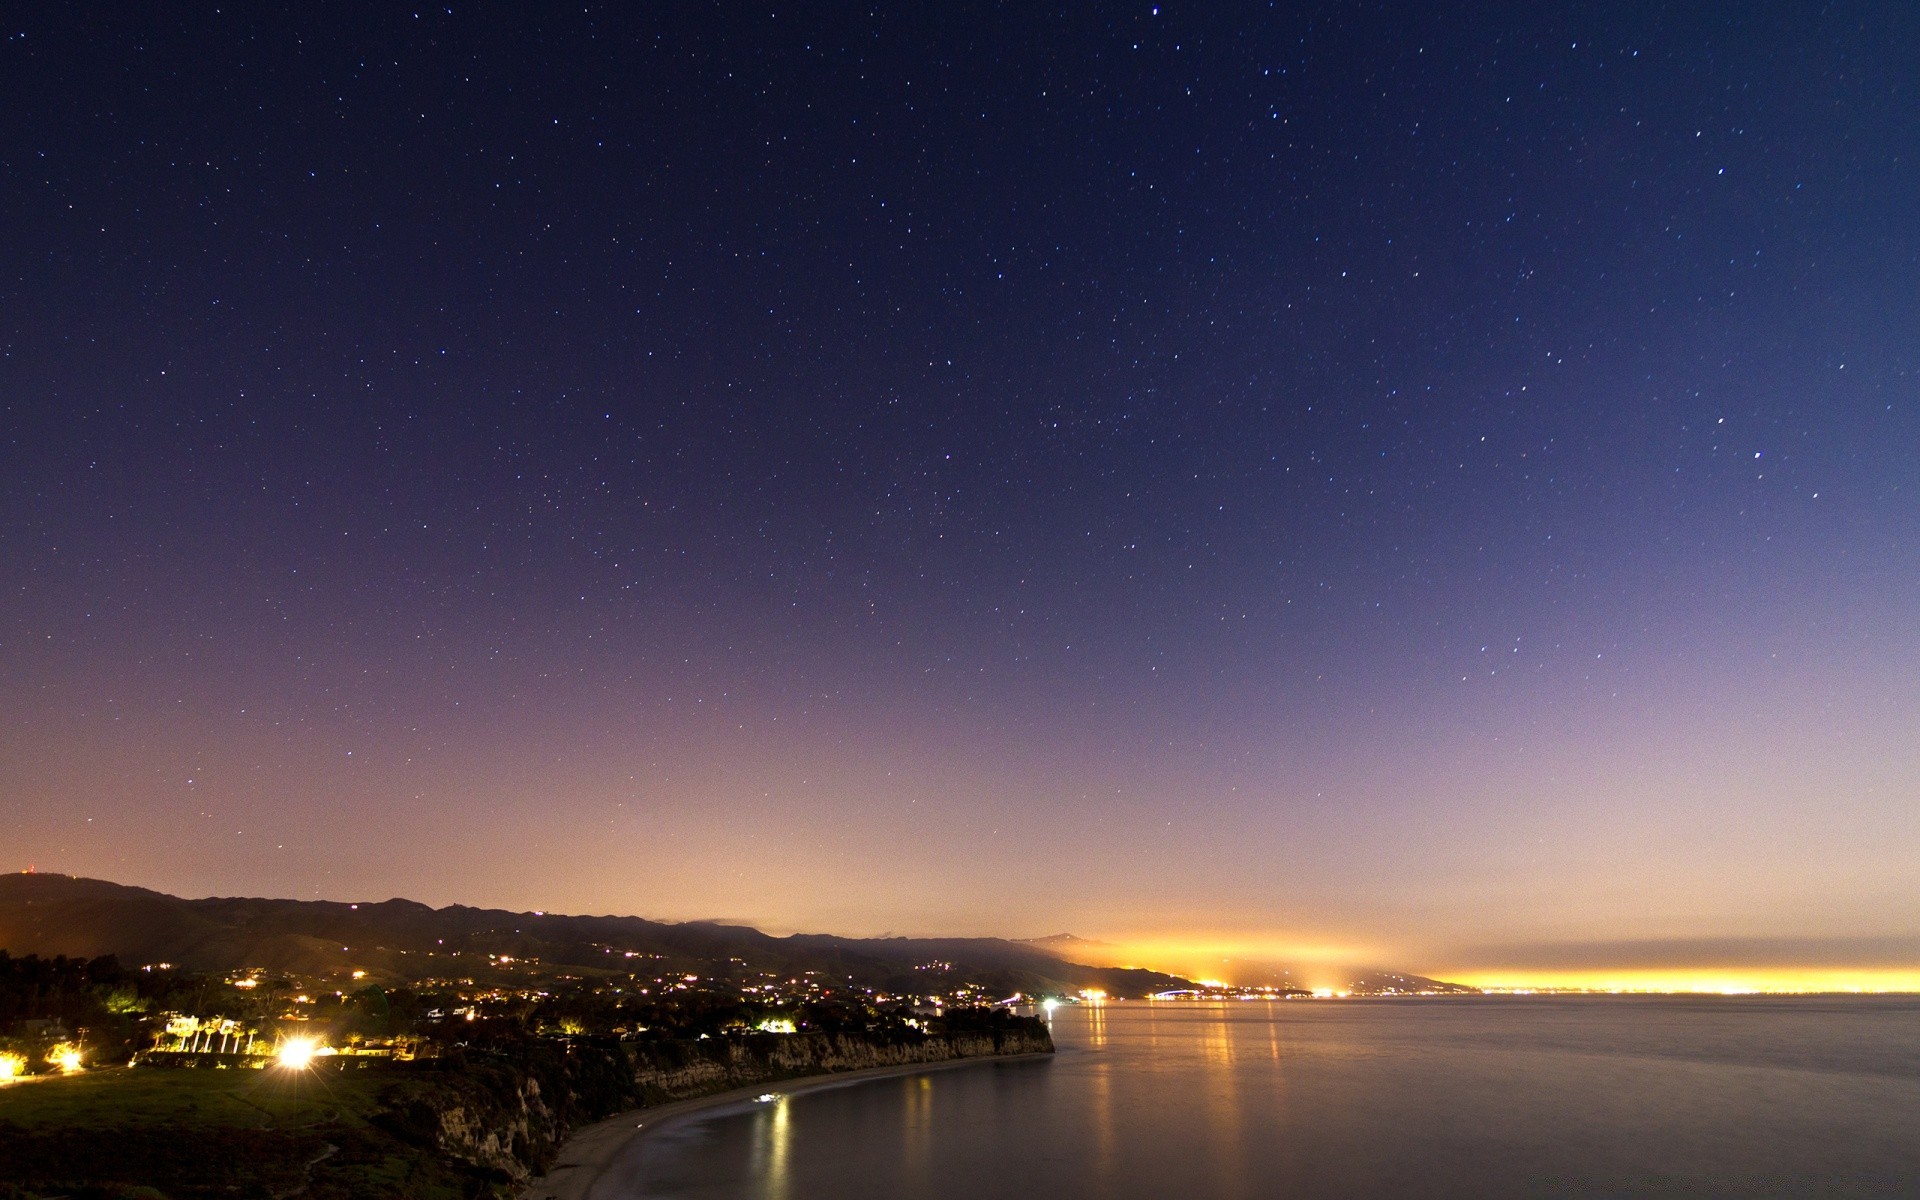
{"x": 1227, "y": 1161}
{"x": 1480, "y": 1098}
{"x": 917, "y": 1121}
{"x": 780, "y": 1141}
{"x": 1105, "y": 1148}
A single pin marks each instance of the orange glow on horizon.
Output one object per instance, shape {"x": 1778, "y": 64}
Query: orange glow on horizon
{"x": 1243, "y": 961}
{"x": 1234, "y": 960}
{"x": 1242, "y": 948}
{"x": 1720, "y": 980}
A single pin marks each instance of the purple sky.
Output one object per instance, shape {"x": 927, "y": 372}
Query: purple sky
{"x": 1349, "y": 482}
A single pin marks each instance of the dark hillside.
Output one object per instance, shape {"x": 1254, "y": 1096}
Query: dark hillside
{"x": 403, "y": 940}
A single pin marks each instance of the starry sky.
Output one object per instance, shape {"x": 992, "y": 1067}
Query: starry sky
{"x": 1307, "y": 483}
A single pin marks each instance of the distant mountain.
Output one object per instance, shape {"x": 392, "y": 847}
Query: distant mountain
{"x": 401, "y": 940}
{"x": 1391, "y": 983}
{"x": 1073, "y": 947}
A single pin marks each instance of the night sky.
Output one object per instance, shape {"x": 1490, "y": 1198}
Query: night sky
{"x": 1348, "y": 482}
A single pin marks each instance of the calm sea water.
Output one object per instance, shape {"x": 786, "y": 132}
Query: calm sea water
{"x": 1443, "y": 1098}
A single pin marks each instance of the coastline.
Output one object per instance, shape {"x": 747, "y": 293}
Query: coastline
{"x": 591, "y": 1149}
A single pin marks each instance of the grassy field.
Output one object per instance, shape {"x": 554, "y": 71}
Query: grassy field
{"x": 269, "y": 1099}
{"x": 163, "y": 1134}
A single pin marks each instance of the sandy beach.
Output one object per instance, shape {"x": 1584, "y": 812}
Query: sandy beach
{"x": 592, "y": 1149}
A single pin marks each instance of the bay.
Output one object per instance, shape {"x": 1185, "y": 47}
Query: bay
{"x": 1466, "y": 1097}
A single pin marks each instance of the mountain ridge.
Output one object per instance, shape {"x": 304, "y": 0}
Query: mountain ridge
{"x": 402, "y": 940}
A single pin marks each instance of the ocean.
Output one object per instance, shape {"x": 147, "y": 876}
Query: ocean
{"x": 1467, "y": 1097}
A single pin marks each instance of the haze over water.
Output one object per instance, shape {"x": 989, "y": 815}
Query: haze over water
{"x": 1472, "y": 1097}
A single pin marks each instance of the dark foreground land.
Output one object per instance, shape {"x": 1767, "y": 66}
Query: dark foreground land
{"x": 468, "y": 1124}
{"x": 152, "y": 1133}
{"x": 459, "y": 1076}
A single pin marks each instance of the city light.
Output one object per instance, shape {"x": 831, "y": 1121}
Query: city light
{"x": 298, "y": 1053}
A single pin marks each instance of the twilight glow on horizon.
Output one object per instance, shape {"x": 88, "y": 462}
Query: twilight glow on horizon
{"x": 1250, "y": 486}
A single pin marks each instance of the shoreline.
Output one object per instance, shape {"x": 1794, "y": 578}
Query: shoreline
{"x": 591, "y": 1149}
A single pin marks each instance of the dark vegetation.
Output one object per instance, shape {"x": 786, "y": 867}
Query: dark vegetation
{"x": 47, "y": 999}
{"x": 111, "y": 1009}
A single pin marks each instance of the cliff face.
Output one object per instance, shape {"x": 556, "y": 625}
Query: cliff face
{"x": 507, "y": 1140}
{"x": 508, "y": 1116}
{"x": 668, "y": 1071}
{"x": 504, "y": 1117}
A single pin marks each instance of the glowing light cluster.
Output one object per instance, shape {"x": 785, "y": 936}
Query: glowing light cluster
{"x": 298, "y": 1053}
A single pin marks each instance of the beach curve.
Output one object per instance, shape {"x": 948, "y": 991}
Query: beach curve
{"x": 591, "y": 1150}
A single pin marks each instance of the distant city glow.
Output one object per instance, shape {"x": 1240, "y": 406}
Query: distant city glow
{"x": 1219, "y": 963}
{"x": 1731, "y": 981}
{"x": 1219, "y": 959}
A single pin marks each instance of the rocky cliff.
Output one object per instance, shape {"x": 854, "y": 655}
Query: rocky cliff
{"x": 666, "y": 1071}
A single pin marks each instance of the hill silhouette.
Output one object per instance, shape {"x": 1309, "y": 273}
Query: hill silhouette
{"x": 402, "y": 940}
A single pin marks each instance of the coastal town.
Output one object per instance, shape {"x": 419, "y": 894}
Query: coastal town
{"x": 90, "y": 1014}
